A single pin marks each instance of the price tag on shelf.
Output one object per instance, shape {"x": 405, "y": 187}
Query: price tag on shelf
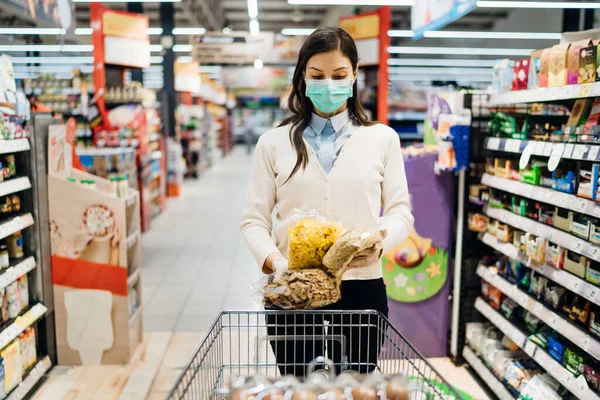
{"x": 579, "y": 151}
{"x": 568, "y": 150}
{"x": 583, "y": 91}
{"x": 538, "y": 309}
{"x": 594, "y": 251}
{"x": 589, "y": 292}
{"x": 530, "y": 348}
{"x": 539, "y": 148}
{"x": 553, "y": 320}
{"x": 581, "y": 386}
{"x": 584, "y": 342}
{"x": 578, "y": 246}
{"x": 555, "y": 156}
{"x": 548, "y": 149}
{"x": 493, "y": 144}
{"x": 593, "y": 153}
{"x": 575, "y": 285}
{"x": 580, "y": 205}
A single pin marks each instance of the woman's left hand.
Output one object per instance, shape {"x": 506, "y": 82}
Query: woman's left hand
{"x": 367, "y": 257}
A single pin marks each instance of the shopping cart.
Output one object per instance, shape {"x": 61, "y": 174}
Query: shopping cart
{"x": 276, "y": 343}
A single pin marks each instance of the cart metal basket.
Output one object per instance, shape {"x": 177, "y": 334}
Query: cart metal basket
{"x": 276, "y": 343}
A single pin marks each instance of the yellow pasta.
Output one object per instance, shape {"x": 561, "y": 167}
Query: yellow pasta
{"x": 309, "y": 240}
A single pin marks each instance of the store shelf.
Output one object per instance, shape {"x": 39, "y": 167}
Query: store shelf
{"x": 132, "y": 239}
{"x": 569, "y": 330}
{"x": 577, "y": 386}
{"x": 14, "y": 185}
{"x": 495, "y": 385}
{"x": 133, "y": 278}
{"x": 572, "y": 151}
{"x": 546, "y": 94}
{"x": 565, "y": 279}
{"x": 16, "y": 271}
{"x": 407, "y": 116}
{"x": 15, "y": 224}
{"x": 31, "y": 380}
{"x": 545, "y": 195}
{"x": 23, "y": 322}
{"x": 549, "y": 233}
{"x": 14, "y": 146}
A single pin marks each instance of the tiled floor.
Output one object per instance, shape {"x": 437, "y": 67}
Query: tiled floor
{"x": 195, "y": 262}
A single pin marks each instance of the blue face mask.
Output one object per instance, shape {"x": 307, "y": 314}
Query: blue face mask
{"x": 327, "y": 95}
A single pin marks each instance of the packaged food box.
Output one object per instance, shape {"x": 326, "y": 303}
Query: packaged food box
{"x": 502, "y": 167}
{"x": 573, "y": 58}
{"x": 502, "y": 75}
{"x": 521, "y": 74}
{"x": 564, "y": 180}
{"x": 535, "y": 64}
{"x": 555, "y": 256}
{"x": 544, "y": 67}
{"x": 557, "y": 75}
{"x": 580, "y": 111}
{"x": 595, "y": 232}
{"x": 562, "y": 218}
{"x": 576, "y": 264}
{"x": 593, "y": 273}
{"x": 580, "y": 226}
{"x": 588, "y": 181}
{"x": 587, "y": 64}
{"x": 13, "y": 372}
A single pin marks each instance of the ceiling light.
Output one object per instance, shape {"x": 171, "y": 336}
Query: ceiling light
{"x": 252, "y": 8}
{"x": 189, "y": 31}
{"x": 52, "y": 60}
{"x": 297, "y": 31}
{"x": 254, "y": 27}
{"x": 83, "y": 31}
{"x": 458, "y": 51}
{"x": 422, "y": 78}
{"x": 182, "y": 48}
{"x": 538, "y": 4}
{"x": 88, "y": 31}
{"x": 436, "y": 62}
{"x": 185, "y": 59}
{"x": 154, "y": 47}
{"x": 32, "y": 31}
{"x": 491, "y": 35}
{"x": 400, "y": 33}
{"x": 86, "y": 69}
{"x": 258, "y": 63}
{"x": 156, "y": 59}
{"x": 397, "y": 3}
{"x": 440, "y": 71}
{"x": 128, "y": 1}
{"x": 46, "y": 47}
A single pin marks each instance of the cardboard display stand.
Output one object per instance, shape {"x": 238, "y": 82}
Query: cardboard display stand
{"x": 96, "y": 262}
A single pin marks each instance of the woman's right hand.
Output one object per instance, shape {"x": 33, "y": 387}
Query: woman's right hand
{"x": 275, "y": 258}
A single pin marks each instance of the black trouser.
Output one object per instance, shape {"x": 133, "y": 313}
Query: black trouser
{"x": 351, "y": 341}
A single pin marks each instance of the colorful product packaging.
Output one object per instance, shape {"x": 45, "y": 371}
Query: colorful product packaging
{"x": 557, "y": 75}
{"x": 521, "y": 74}
{"x": 580, "y": 226}
{"x": 13, "y": 373}
{"x": 502, "y": 75}
{"x": 595, "y": 232}
{"x": 535, "y": 64}
{"x": 579, "y": 112}
{"x": 593, "y": 273}
{"x": 576, "y": 264}
{"x": 562, "y": 219}
{"x": 592, "y": 120}
{"x": 545, "y": 67}
{"x": 587, "y": 64}
{"x": 573, "y": 57}
{"x": 565, "y": 180}
{"x": 555, "y": 256}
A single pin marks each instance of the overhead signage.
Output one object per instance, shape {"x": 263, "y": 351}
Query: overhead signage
{"x": 234, "y": 48}
{"x": 126, "y": 40}
{"x": 431, "y": 15}
{"x": 47, "y": 13}
{"x": 364, "y": 29}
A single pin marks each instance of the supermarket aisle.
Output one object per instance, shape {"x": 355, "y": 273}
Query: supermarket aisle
{"x": 195, "y": 262}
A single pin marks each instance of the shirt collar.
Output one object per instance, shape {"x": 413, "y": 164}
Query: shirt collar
{"x": 338, "y": 121}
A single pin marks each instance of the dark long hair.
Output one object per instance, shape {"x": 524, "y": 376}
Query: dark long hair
{"x": 322, "y": 40}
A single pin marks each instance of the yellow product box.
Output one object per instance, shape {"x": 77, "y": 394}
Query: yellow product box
{"x": 544, "y": 67}
{"x": 557, "y": 75}
{"x": 573, "y": 57}
{"x": 13, "y": 371}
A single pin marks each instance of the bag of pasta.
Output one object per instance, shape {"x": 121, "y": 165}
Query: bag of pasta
{"x": 310, "y": 237}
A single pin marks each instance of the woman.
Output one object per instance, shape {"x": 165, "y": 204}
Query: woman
{"x": 327, "y": 157}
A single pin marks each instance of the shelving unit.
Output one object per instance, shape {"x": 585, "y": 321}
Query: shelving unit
{"x": 545, "y": 195}
{"x": 572, "y": 151}
{"x": 31, "y": 380}
{"x": 496, "y": 386}
{"x": 577, "y": 386}
{"x": 565, "y": 279}
{"x": 572, "y": 332}
{"x": 561, "y": 238}
{"x": 546, "y": 94}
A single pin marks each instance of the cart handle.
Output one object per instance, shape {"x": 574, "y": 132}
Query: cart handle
{"x": 321, "y": 360}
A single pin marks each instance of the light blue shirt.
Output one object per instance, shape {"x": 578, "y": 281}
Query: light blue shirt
{"x": 327, "y": 136}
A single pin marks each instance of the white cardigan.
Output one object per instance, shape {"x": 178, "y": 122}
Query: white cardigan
{"x": 367, "y": 175}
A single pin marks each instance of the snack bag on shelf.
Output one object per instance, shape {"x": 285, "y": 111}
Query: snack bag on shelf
{"x": 309, "y": 239}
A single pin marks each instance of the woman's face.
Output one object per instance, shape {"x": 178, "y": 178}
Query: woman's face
{"x": 331, "y": 65}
